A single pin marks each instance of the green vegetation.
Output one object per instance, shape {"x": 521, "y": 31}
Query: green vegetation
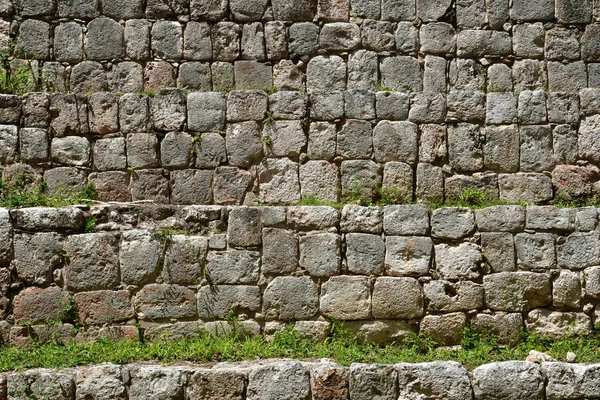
{"x": 16, "y": 194}
{"x": 15, "y": 78}
{"x": 342, "y": 346}
{"x": 381, "y": 88}
{"x": 269, "y": 120}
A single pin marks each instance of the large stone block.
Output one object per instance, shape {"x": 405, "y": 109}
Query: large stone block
{"x": 505, "y": 327}
{"x": 465, "y": 147}
{"x": 150, "y": 184}
{"x": 303, "y": 10}
{"x": 516, "y": 291}
{"x": 580, "y": 250}
{"x": 142, "y": 150}
{"x": 225, "y": 41}
{"x": 168, "y": 110}
{"x": 233, "y": 267}
{"x": 243, "y": 144}
{"x": 160, "y": 301}
{"x": 360, "y": 178}
{"x": 499, "y": 250}
{"x": 284, "y": 138}
{"x": 319, "y": 180}
{"x": 458, "y": 262}
{"x": 365, "y": 253}
{"x": 185, "y": 259}
{"x": 566, "y": 290}
{"x": 357, "y": 218}
{"x": 408, "y": 255}
{"x": 137, "y": 39}
{"x": 105, "y": 39}
{"x": 346, "y": 298}
{"x": 284, "y": 380}
{"x": 226, "y": 384}
{"x": 452, "y": 223}
{"x": 93, "y": 261}
{"x": 320, "y": 254}
{"x": 355, "y": 139}
{"x": 445, "y": 380}
{"x": 218, "y": 302}
{"x": 446, "y": 296}
{"x": 71, "y": 150}
{"x": 540, "y": 10}
{"x": 340, "y": 36}
{"x": 568, "y": 380}
{"x": 510, "y": 380}
{"x": 445, "y": 330}
{"x": 373, "y": 382}
{"x": 481, "y": 43}
{"x": 535, "y": 251}
{"x": 139, "y": 256}
{"x": 104, "y": 307}
{"x": 34, "y": 40}
{"x": 395, "y": 141}
{"x": 438, "y": 38}
{"x": 558, "y": 324}
{"x": 501, "y": 148}
{"x": 531, "y": 188}
{"x": 401, "y": 73}
{"x": 279, "y": 252}
{"x": 244, "y": 227}
{"x": 377, "y": 35}
{"x": 206, "y": 111}
{"x": 326, "y": 73}
{"x": 36, "y": 256}
{"x": 34, "y": 145}
{"x": 278, "y": 181}
{"x": 37, "y": 305}
{"x": 397, "y": 298}
{"x": 176, "y": 150}
{"x": 290, "y": 298}
{"x": 230, "y": 185}
{"x": 69, "y": 115}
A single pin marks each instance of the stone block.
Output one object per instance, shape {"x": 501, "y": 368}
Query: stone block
{"x": 322, "y": 141}
{"x": 409, "y": 219}
{"x": 194, "y": 76}
{"x": 355, "y": 139}
{"x": 392, "y": 105}
{"x": 36, "y": 8}
{"x": 133, "y": 113}
{"x": 276, "y": 40}
{"x": 465, "y": 150}
{"x": 445, "y": 296}
{"x": 160, "y": 301}
{"x": 482, "y": 43}
{"x": 243, "y": 143}
{"x": 529, "y": 75}
{"x": 219, "y": 303}
{"x": 408, "y": 255}
{"x": 377, "y": 35}
{"x": 280, "y": 251}
{"x": 36, "y": 256}
{"x": 168, "y": 110}
{"x": 580, "y": 250}
{"x": 452, "y": 223}
{"x": 326, "y": 73}
{"x": 327, "y": 105}
{"x": 531, "y": 188}
{"x": 434, "y": 74}
{"x": 277, "y": 380}
{"x": 105, "y": 39}
{"x": 139, "y": 256}
{"x": 448, "y": 380}
{"x": 397, "y": 184}
{"x": 159, "y": 74}
{"x": 103, "y": 117}
{"x": 137, "y": 39}
{"x": 208, "y": 9}
{"x": 365, "y": 253}
{"x": 541, "y": 10}
{"x": 278, "y": 181}
{"x": 359, "y": 179}
{"x": 303, "y": 10}
{"x": 288, "y": 105}
{"x": 517, "y": 291}
{"x": 230, "y": 185}
{"x": 550, "y": 218}
{"x": 37, "y": 305}
{"x": 206, "y": 111}
{"x": 93, "y": 261}
{"x": 142, "y": 150}
{"x": 33, "y": 145}
{"x": 393, "y": 10}
{"x": 129, "y": 9}
{"x": 104, "y": 307}
{"x": 397, "y": 298}
{"x": 39, "y": 218}
{"x": 466, "y": 105}
{"x": 233, "y": 267}
{"x": 68, "y": 42}
{"x": 246, "y": 105}
{"x": 370, "y": 381}
{"x": 154, "y": 381}
{"x": 438, "y": 38}
{"x": 184, "y": 260}
{"x": 346, "y": 298}
{"x": 333, "y": 10}
{"x": 570, "y": 380}
{"x": 226, "y": 384}
{"x": 562, "y": 43}
{"x": 167, "y": 40}
{"x": 564, "y": 141}
{"x": 303, "y": 39}
{"x": 357, "y": 218}
{"x": 176, "y": 150}
{"x": 252, "y": 75}
{"x": 71, "y": 150}
{"x": 290, "y": 298}
{"x": 458, "y": 262}
{"x": 445, "y": 330}
{"x": 34, "y": 40}
{"x": 359, "y": 104}
{"x": 430, "y": 181}
{"x": 401, "y": 73}
{"x": 283, "y": 138}
{"x": 501, "y": 108}
{"x": 191, "y": 186}
{"x": 535, "y": 251}
{"x": 210, "y": 150}
{"x": 319, "y": 180}
{"x": 587, "y": 139}
{"x": 150, "y": 184}
{"x": 320, "y": 254}
{"x": 340, "y": 36}
{"x": 225, "y": 41}
{"x": 558, "y": 324}
{"x": 63, "y": 181}
{"x": 103, "y": 380}
{"x": 570, "y": 77}
{"x": 504, "y": 327}
{"x": 395, "y": 141}
{"x": 288, "y": 76}
{"x": 88, "y": 76}
{"x": 433, "y": 143}
{"x": 536, "y": 148}
{"x": 563, "y": 108}
{"x": 244, "y": 227}
{"x": 573, "y": 12}
{"x": 501, "y": 148}
{"x": 407, "y": 37}
{"x": 312, "y": 218}
{"x": 499, "y": 250}
{"x": 590, "y": 48}
{"x": 528, "y": 40}
{"x": 591, "y": 278}
{"x": 566, "y": 290}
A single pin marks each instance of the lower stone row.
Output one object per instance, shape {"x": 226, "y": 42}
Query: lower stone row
{"x": 294, "y": 380}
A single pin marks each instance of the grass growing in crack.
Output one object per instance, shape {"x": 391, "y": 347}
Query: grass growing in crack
{"x": 342, "y": 346}
{"x": 16, "y": 194}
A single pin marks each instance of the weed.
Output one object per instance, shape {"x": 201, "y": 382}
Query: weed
{"x": 268, "y": 141}
{"x": 271, "y": 90}
{"x": 264, "y": 161}
{"x": 393, "y": 195}
{"x": 15, "y": 79}
{"x": 17, "y": 194}
{"x": 131, "y": 169}
{"x": 493, "y": 87}
{"x": 381, "y": 88}
{"x": 89, "y": 224}
{"x": 269, "y": 120}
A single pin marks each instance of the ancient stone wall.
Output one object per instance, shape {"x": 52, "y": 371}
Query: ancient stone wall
{"x": 421, "y": 98}
{"x": 317, "y": 380}
{"x": 385, "y": 272}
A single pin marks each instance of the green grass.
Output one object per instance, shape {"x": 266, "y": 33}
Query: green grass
{"x": 476, "y": 349}
{"x": 16, "y": 194}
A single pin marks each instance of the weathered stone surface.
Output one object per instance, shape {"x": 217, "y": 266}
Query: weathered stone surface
{"x": 290, "y": 298}
{"x": 206, "y": 111}
{"x": 567, "y": 380}
{"x": 397, "y": 298}
{"x": 505, "y": 327}
{"x": 452, "y": 223}
{"x": 319, "y": 180}
{"x": 374, "y": 382}
{"x": 36, "y": 256}
{"x": 339, "y": 36}
{"x": 580, "y": 250}
{"x": 445, "y": 330}
{"x": 401, "y": 73}
{"x": 566, "y": 290}
{"x": 104, "y": 306}
{"x": 142, "y": 150}
{"x": 226, "y": 384}
{"x": 446, "y": 296}
{"x": 326, "y": 73}
{"x": 365, "y": 253}
{"x": 243, "y": 143}
{"x": 184, "y": 259}
{"x": 447, "y": 380}
{"x": 516, "y": 291}
{"x": 244, "y": 227}
{"x": 346, "y": 298}
{"x": 102, "y": 381}
{"x": 219, "y": 302}
{"x": 501, "y": 219}
{"x": 312, "y": 217}
{"x": 408, "y": 255}
{"x": 159, "y": 301}
{"x": 285, "y": 381}
{"x": 93, "y": 261}
{"x": 320, "y": 254}
{"x": 280, "y": 251}
{"x": 278, "y": 180}
{"x": 357, "y": 218}
{"x": 33, "y": 305}
{"x": 150, "y": 184}
{"x": 499, "y": 251}
{"x": 211, "y": 151}
{"x": 395, "y": 141}
{"x": 558, "y": 324}
{"x": 283, "y": 139}
{"x": 528, "y": 187}
{"x": 458, "y": 262}
{"x": 40, "y": 384}
{"x": 233, "y": 266}
{"x": 508, "y": 380}
{"x": 139, "y": 256}
{"x": 535, "y": 251}
{"x": 41, "y": 219}
{"x": 168, "y": 109}
{"x": 71, "y": 150}
{"x": 465, "y": 150}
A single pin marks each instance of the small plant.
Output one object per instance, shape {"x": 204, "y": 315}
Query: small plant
{"x": 268, "y": 141}
{"x": 63, "y": 256}
{"x": 493, "y": 87}
{"x": 17, "y": 80}
{"x": 269, "y": 120}
{"x": 89, "y": 224}
{"x": 17, "y": 193}
{"x": 264, "y": 161}
{"x": 131, "y": 169}
{"x": 271, "y": 90}
{"x": 393, "y": 195}
{"x": 149, "y": 93}
{"x": 381, "y": 88}
{"x": 472, "y": 197}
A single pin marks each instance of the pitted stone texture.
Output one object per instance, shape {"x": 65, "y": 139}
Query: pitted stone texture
{"x": 280, "y": 251}
{"x": 434, "y": 380}
{"x": 357, "y": 218}
{"x": 339, "y": 36}
{"x": 452, "y": 223}
{"x": 516, "y": 291}
{"x": 211, "y": 152}
{"x": 458, "y": 262}
{"x": 282, "y": 381}
{"x": 446, "y": 296}
{"x": 326, "y": 73}
{"x": 319, "y": 180}
{"x": 320, "y": 254}
{"x": 354, "y": 139}
{"x": 501, "y": 219}
{"x": 499, "y": 250}
{"x": 244, "y": 227}
{"x": 103, "y": 382}
{"x": 168, "y": 110}
{"x": 373, "y": 382}
{"x": 505, "y": 327}
{"x": 401, "y": 73}
{"x": 406, "y": 219}
{"x": 283, "y": 139}
{"x": 160, "y": 301}
{"x": 312, "y": 217}
{"x": 465, "y": 150}
{"x": 184, "y": 259}
{"x": 71, "y": 150}
{"x": 176, "y": 150}
{"x": 346, "y": 298}
{"x": 233, "y": 267}
{"x": 445, "y": 330}
{"x": 290, "y": 298}
{"x": 139, "y": 256}
{"x": 535, "y": 251}
{"x": 41, "y": 219}
{"x": 226, "y": 384}
{"x": 104, "y": 306}
{"x": 395, "y": 141}
{"x": 279, "y": 182}
{"x": 206, "y": 111}
{"x": 570, "y": 380}
{"x": 155, "y": 382}
{"x": 243, "y": 144}
{"x": 528, "y": 187}
{"x": 566, "y": 290}
{"x": 36, "y": 256}
{"x": 104, "y": 39}
{"x": 142, "y": 150}
{"x": 509, "y": 380}
{"x": 365, "y": 253}
{"x": 407, "y": 255}
{"x": 34, "y": 305}
{"x": 397, "y": 298}
{"x": 580, "y": 250}
{"x": 217, "y": 303}
{"x": 40, "y": 384}
{"x": 558, "y": 324}
{"x": 93, "y": 261}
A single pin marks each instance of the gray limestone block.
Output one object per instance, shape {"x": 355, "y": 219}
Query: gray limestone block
{"x": 166, "y": 8}
{"x": 34, "y": 40}
{"x": 252, "y": 75}
{"x": 499, "y": 78}
{"x": 401, "y": 73}
{"x": 573, "y": 12}
{"x": 166, "y": 382}
{"x": 103, "y": 380}
{"x": 302, "y": 10}
{"x": 225, "y": 41}
{"x": 562, "y": 43}
{"x": 591, "y": 279}
{"x": 233, "y": 267}
{"x": 427, "y": 107}
{"x": 9, "y": 135}
{"x": 288, "y": 76}
{"x": 465, "y": 150}
{"x": 140, "y": 252}
{"x": 466, "y": 74}
{"x": 71, "y": 150}
{"x": 40, "y": 384}
{"x": 346, "y": 298}
{"x": 446, "y": 296}
{"x": 133, "y": 113}
{"x": 580, "y": 250}
{"x": 10, "y": 108}
{"x": 357, "y": 218}
{"x": 312, "y": 218}
{"x": 452, "y": 223}
{"x": 377, "y": 35}
{"x": 326, "y": 73}
{"x": 458, "y": 262}
{"x": 327, "y": 106}
{"x": 359, "y": 179}
{"x": 470, "y": 14}
{"x": 362, "y": 70}
{"x": 167, "y": 40}
{"x": 394, "y": 10}
{"x": 103, "y": 113}
{"x": 397, "y": 185}
{"x": 448, "y": 380}
{"x": 276, "y": 40}
{"x": 194, "y": 76}
{"x": 540, "y": 10}
{"x": 211, "y": 10}
{"x": 557, "y": 323}
{"x": 284, "y": 138}
{"x": 407, "y": 37}
{"x": 528, "y": 40}
{"x": 536, "y": 148}
{"x": 319, "y": 179}
{"x": 68, "y": 42}
{"x": 137, "y": 39}
{"x": 408, "y": 255}
{"x": 253, "y": 41}
{"x": 354, "y": 140}
{"x": 322, "y": 141}
{"x": 340, "y": 36}
{"x": 288, "y": 105}
{"x": 588, "y": 138}
{"x": 280, "y": 251}
{"x": 248, "y": 10}
{"x": 510, "y": 380}
{"x": 434, "y": 74}
{"x": 590, "y": 48}
{"x": 176, "y": 150}
{"x": 104, "y": 39}
{"x": 365, "y": 253}
{"x": 466, "y": 105}
{"x": 395, "y": 141}
{"x": 125, "y": 77}
{"x": 184, "y": 260}
{"x": 36, "y": 256}
{"x": 528, "y": 187}
{"x": 40, "y": 218}
{"x": 590, "y": 101}
{"x": 210, "y": 150}
{"x": 191, "y": 186}
{"x": 566, "y": 290}
{"x": 222, "y": 77}
{"x": 409, "y": 219}
{"x": 501, "y": 108}
{"x": 246, "y": 105}
{"x": 197, "y": 43}
{"x": 150, "y": 184}
{"x": 481, "y": 43}
{"x": 126, "y": 10}
{"x": 397, "y": 298}
{"x": 535, "y": 251}
{"x": 430, "y": 182}
{"x": 486, "y": 182}
{"x": 517, "y": 291}
{"x": 244, "y": 227}
{"x": 501, "y": 219}
{"x": 359, "y": 104}
{"x": 333, "y": 10}
{"x": 547, "y": 218}
{"x": 570, "y": 77}
{"x": 433, "y": 143}
{"x": 36, "y": 8}
{"x": 392, "y": 105}
{"x": 278, "y": 181}
{"x": 529, "y": 75}
{"x": 320, "y": 254}
{"x": 563, "y": 108}
{"x": 505, "y": 327}
{"x": 88, "y": 76}
{"x": 168, "y": 109}
{"x": 290, "y": 298}
{"x": 445, "y": 330}
{"x": 219, "y": 303}
{"x": 278, "y": 380}
{"x": 161, "y": 301}
{"x": 109, "y": 154}
{"x": 243, "y": 143}
{"x": 437, "y": 38}
{"x": 206, "y": 111}
{"x": 567, "y": 379}
{"x": 34, "y": 145}
{"x": 370, "y": 381}
{"x": 35, "y": 110}
{"x": 78, "y": 8}
{"x": 142, "y": 150}
{"x": 365, "y": 8}
{"x": 230, "y": 185}
{"x": 303, "y": 38}
{"x": 93, "y": 261}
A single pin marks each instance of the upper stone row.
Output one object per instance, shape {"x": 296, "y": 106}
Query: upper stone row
{"x": 467, "y": 13}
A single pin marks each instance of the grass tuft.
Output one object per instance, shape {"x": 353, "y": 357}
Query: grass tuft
{"x": 16, "y": 194}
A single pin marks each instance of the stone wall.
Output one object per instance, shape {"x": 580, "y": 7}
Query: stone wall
{"x": 421, "y": 98}
{"x": 385, "y": 272}
{"x": 317, "y": 380}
